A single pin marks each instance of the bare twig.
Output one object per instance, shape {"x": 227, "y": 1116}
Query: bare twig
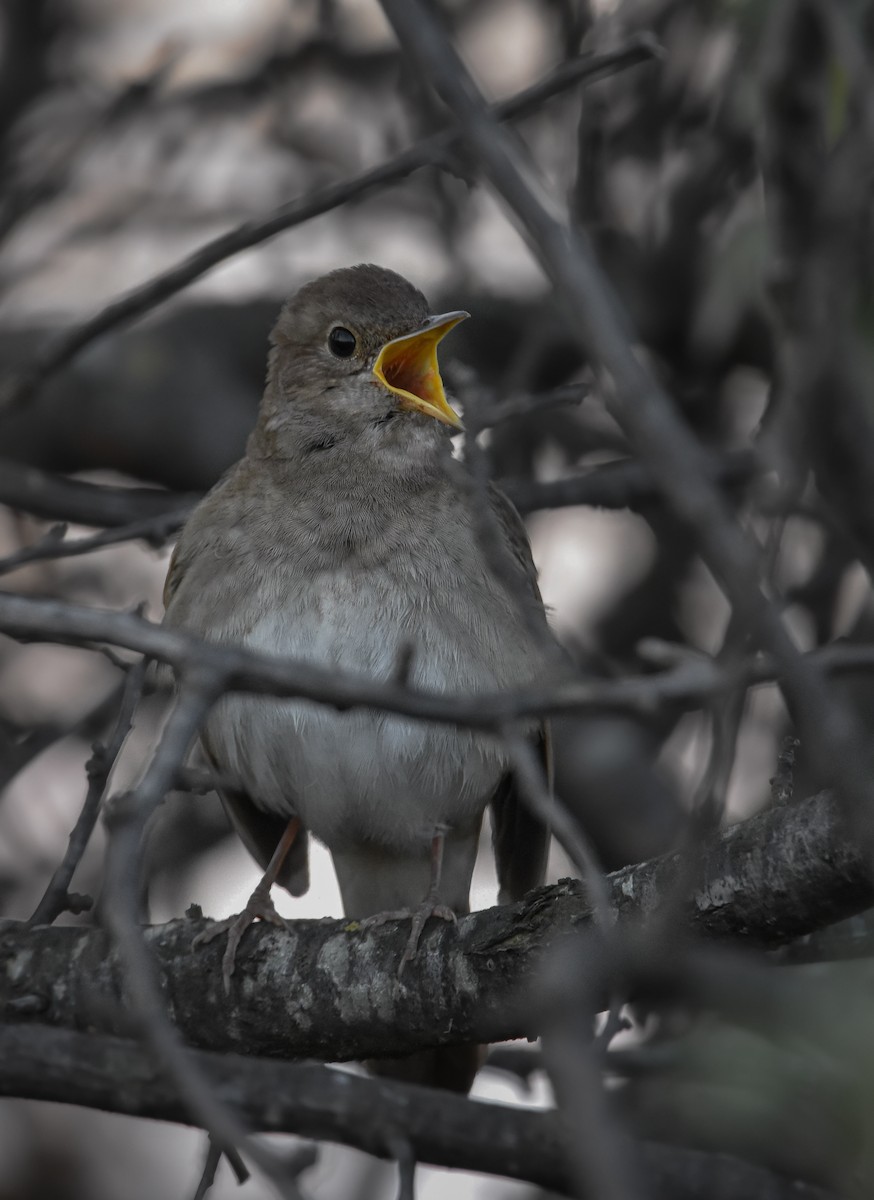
{"x": 690, "y": 680}
{"x": 497, "y": 412}
{"x": 251, "y": 233}
{"x": 210, "y": 1166}
{"x": 401, "y": 1150}
{"x": 601, "y": 1154}
{"x": 616, "y": 485}
{"x": 642, "y": 408}
{"x": 153, "y": 530}
{"x": 24, "y": 196}
{"x": 55, "y": 497}
{"x": 56, "y": 897}
{"x": 18, "y": 751}
{"x": 130, "y": 816}
{"x": 625, "y": 484}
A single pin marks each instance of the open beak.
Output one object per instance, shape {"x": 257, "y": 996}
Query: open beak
{"x": 407, "y": 366}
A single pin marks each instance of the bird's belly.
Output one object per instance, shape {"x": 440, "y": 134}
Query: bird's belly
{"x": 358, "y": 776}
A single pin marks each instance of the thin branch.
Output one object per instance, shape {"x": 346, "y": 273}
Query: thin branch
{"x": 644, "y": 411}
{"x": 25, "y": 195}
{"x": 601, "y": 1159}
{"x": 129, "y": 818}
{"x": 210, "y": 1166}
{"x": 153, "y": 530}
{"x": 56, "y": 897}
{"x": 620, "y": 485}
{"x": 149, "y": 295}
{"x": 690, "y": 680}
{"x": 615, "y": 485}
{"x": 18, "y": 751}
{"x": 499, "y": 412}
{"x": 57, "y": 498}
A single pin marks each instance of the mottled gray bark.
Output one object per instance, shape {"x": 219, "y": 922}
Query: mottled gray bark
{"x": 329, "y": 989}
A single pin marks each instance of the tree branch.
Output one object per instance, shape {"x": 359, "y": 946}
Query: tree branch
{"x": 644, "y": 411}
{"x": 329, "y": 989}
{"x": 155, "y": 291}
{"x": 690, "y": 679}
{"x": 155, "y": 531}
{"x": 53, "y": 497}
{"x": 58, "y": 498}
{"x": 317, "y": 1102}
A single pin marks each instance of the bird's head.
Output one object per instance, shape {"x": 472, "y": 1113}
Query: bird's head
{"x": 350, "y": 352}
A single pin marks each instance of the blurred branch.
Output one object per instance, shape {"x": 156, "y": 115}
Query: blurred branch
{"x": 155, "y": 291}
{"x": 690, "y": 678}
{"x": 153, "y": 530}
{"x": 57, "y": 498}
{"x": 56, "y": 898}
{"x": 16, "y": 751}
{"x": 139, "y": 981}
{"x": 619, "y": 485}
{"x": 642, "y": 408}
{"x": 328, "y": 989}
{"x": 317, "y": 1102}
{"x": 26, "y": 195}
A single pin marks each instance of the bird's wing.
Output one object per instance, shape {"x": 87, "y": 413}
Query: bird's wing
{"x": 260, "y": 833}
{"x": 520, "y": 840}
{"x": 174, "y": 573}
{"x": 515, "y": 538}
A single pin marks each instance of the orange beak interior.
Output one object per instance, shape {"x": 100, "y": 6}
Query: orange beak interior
{"x": 408, "y": 367}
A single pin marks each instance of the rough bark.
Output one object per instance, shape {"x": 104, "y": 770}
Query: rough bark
{"x": 329, "y": 989}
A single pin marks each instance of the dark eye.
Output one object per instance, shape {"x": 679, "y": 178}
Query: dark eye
{"x": 341, "y": 342}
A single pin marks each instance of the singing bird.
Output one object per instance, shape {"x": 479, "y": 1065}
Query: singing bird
{"x": 348, "y": 536}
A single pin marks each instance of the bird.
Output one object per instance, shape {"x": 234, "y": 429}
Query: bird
{"x": 350, "y": 536}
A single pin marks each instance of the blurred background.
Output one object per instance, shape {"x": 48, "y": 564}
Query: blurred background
{"x": 133, "y": 131}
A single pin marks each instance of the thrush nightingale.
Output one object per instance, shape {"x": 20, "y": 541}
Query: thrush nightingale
{"x": 349, "y": 536}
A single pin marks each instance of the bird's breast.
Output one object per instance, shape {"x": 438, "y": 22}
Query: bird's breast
{"x": 364, "y": 775}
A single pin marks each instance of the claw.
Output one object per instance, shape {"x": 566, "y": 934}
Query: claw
{"x": 259, "y": 908}
{"x": 430, "y": 906}
{"x": 418, "y": 917}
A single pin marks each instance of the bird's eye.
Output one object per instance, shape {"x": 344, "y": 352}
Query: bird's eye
{"x": 341, "y": 342}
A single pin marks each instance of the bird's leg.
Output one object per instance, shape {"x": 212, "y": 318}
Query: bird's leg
{"x": 258, "y": 907}
{"x": 430, "y": 906}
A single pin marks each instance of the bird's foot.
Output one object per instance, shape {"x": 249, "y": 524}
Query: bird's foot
{"x": 258, "y": 908}
{"x": 418, "y": 916}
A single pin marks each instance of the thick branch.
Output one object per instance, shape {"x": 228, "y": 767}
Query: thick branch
{"x": 328, "y": 989}
{"x": 317, "y": 1102}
